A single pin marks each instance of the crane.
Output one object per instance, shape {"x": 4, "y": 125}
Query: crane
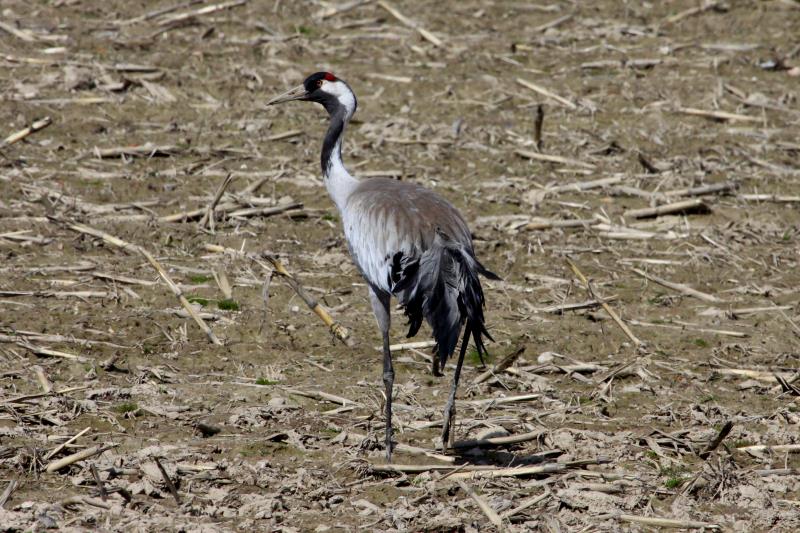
{"x": 407, "y": 242}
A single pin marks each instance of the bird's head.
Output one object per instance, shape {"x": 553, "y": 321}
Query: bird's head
{"x": 324, "y": 88}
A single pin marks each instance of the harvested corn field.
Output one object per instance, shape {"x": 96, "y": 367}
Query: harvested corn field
{"x": 185, "y": 343}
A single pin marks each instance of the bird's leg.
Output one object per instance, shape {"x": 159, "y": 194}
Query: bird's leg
{"x": 435, "y": 362}
{"x": 450, "y": 408}
{"x": 388, "y": 382}
{"x": 380, "y": 306}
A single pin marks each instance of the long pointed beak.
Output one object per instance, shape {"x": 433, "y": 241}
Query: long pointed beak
{"x": 298, "y": 93}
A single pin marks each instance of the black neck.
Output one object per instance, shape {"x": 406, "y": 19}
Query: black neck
{"x": 333, "y": 138}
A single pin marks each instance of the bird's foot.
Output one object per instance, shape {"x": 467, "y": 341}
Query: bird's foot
{"x": 435, "y": 364}
{"x": 389, "y": 442}
{"x": 449, "y": 422}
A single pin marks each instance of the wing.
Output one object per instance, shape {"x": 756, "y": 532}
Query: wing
{"x": 389, "y": 224}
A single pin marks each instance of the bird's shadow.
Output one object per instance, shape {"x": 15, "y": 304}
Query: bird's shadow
{"x": 505, "y": 458}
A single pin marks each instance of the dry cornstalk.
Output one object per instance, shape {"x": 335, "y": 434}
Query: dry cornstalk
{"x": 337, "y": 329}
{"x": 409, "y": 346}
{"x": 265, "y": 211}
{"x": 535, "y": 225}
{"x": 428, "y": 36}
{"x": 284, "y": 135}
{"x": 17, "y": 399}
{"x": 23, "y": 35}
{"x": 746, "y": 311}
{"x": 614, "y": 316}
{"x": 631, "y": 234}
{"x": 790, "y": 448}
{"x": 666, "y": 522}
{"x": 417, "y": 469}
{"x": 776, "y": 198}
{"x": 546, "y": 93}
{"x": 66, "y": 443}
{"x": 339, "y": 9}
{"x": 585, "y": 185}
{"x": 679, "y": 287}
{"x": 692, "y": 11}
{"x": 554, "y": 159}
{"x": 501, "y": 401}
{"x": 47, "y": 387}
{"x": 168, "y": 480}
{"x": 230, "y": 208}
{"x": 530, "y": 502}
{"x": 472, "y": 471}
{"x": 47, "y": 352}
{"x": 778, "y": 472}
{"x": 490, "y": 513}
{"x": 561, "y": 308}
{"x": 499, "y": 367}
{"x": 714, "y": 188}
{"x": 716, "y": 115}
{"x": 83, "y": 500}
{"x": 10, "y": 488}
{"x": 208, "y": 217}
{"x": 60, "y": 294}
{"x": 156, "y": 13}
{"x": 690, "y": 327}
{"x": 106, "y": 237}
{"x": 322, "y": 396}
{"x": 687, "y": 206}
{"x": 223, "y": 283}
{"x": 552, "y": 468}
{"x": 144, "y": 150}
{"x": 552, "y": 24}
{"x": 499, "y": 441}
{"x": 75, "y": 457}
{"x": 206, "y": 10}
{"x": 752, "y": 374}
{"x": 537, "y": 127}
{"x": 21, "y": 134}
{"x": 714, "y": 444}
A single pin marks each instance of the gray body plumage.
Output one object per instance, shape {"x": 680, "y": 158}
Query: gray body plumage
{"x": 410, "y": 242}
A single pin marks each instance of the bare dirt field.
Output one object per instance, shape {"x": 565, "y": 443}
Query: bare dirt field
{"x": 653, "y": 144}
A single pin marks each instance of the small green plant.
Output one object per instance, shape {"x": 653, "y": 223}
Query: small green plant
{"x": 265, "y": 381}
{"x": 199, "y": 278}
{"x": 419, "y": 481}
{"x": 675, "y": 475}
{"x": 674, "y": 482}
{"x": 652, "y": 455}
{"x": 700, "y": 343}
{"x": 305, "y": 30}
{"x": 707, "y": 398}
{"x": 197, "y": 300}
{"x": 330, "y": 217}
{"x": 474, "y": 358}
{"x": 126, "y": 407}
{"x": 228, "y": 305}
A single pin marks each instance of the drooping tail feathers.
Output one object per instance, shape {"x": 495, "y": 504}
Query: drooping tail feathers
{"x": 442, "y": 286}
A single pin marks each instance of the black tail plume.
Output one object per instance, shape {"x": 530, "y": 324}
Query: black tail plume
{"x": 443, "y": 287}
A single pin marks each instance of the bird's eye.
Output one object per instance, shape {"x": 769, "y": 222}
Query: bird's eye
{"x": 319, "y": 83}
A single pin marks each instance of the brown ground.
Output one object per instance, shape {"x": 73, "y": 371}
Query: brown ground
{"x": 452, "y": 118}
